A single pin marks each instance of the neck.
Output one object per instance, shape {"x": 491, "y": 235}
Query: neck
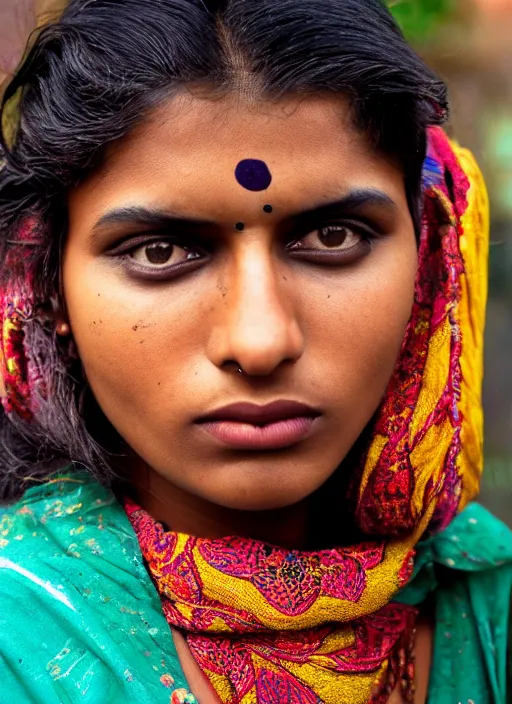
{"x": 182, "y": 512}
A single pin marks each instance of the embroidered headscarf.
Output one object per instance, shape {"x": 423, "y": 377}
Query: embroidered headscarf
{"x": 21, "y": 379}
{"x": 269, "y": 625}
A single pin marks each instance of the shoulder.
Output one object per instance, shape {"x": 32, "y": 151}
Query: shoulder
{"x": 474, "y": 560}
{"x": 476, "y": 541}
{"x": 476, "y": 552}
{"x": 58, "y": 536}
{"x": 56, "y": 524}
{"x": 79, "y": 617}
{"x": 46, "y": 540}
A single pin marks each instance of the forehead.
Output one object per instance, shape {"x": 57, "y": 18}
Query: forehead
{"x": 187, "y": 152}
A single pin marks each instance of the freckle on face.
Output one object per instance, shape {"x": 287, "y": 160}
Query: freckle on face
{"x": 245, "y": 301}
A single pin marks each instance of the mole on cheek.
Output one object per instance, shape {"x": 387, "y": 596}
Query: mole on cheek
{"x": 267, "y": 208}
{"x": 253, "y": 174}
{"x": 240, "y": 226}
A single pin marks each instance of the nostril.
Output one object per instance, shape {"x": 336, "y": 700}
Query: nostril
{"x": 233, "y": 366}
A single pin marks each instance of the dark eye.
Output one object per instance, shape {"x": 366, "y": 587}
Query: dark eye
{"x": 334, "y": 245}
{"x": 161, "y": 254}
{"x": 332, "y": 237}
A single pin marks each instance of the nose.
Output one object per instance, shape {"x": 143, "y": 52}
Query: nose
{"x": 257, "y": 328}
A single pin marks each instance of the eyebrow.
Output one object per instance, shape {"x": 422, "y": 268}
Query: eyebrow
{"x": 350, "y": 203}
{"x": 147, "y": 217}
{"x": 157, "y": 219}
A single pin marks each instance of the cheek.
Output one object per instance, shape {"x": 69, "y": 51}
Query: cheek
{"x": 129, "y": 339}
{"x": 144, "y": 349}
{"x": 360, "y": 329}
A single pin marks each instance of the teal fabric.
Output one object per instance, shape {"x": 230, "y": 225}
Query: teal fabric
{"x": 468, "y": 568}
{"x": 80, "y": 620}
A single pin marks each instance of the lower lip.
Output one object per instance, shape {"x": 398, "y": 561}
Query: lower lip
{"x": 274, "y": 436}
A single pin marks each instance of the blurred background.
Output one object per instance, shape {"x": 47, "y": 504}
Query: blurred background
{"x": 469, "y": 44}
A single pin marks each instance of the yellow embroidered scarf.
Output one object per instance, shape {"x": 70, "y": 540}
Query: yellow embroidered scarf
{"x": 269, "y": 625}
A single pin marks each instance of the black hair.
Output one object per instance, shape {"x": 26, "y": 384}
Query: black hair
{"x": 91, "y": 76}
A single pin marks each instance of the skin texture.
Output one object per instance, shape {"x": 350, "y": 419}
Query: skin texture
{"x": 158, "y": 354}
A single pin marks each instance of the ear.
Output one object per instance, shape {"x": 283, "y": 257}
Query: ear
{"x": 55, "y": 313}
{"x": 61, "y": 323}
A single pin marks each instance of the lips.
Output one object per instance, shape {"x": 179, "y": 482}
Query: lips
{"x": 262, "y": 415}
{"x": 246, "y": 426}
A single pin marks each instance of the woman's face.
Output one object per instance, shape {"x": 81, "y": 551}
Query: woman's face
{"x": 176, "y": 274}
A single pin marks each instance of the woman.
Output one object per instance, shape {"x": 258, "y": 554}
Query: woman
{"x": 243, "y": 293}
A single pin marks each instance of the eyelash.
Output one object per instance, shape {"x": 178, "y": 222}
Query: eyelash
{"x": 125, "y": 249}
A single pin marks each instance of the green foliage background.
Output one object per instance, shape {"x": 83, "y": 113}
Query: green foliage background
{"x": 420, "y": 18}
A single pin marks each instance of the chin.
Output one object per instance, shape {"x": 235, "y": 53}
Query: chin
{"x": 267, "y": 496}
{"x": 254, "y": 505}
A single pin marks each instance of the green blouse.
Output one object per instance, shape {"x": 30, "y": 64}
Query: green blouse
{"x": 80, "y": 620}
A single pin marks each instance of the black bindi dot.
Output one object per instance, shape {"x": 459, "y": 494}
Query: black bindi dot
{"x": 267, "y": 208}
{"x": 240, "y": 226}
{"x": 253, "y": 174}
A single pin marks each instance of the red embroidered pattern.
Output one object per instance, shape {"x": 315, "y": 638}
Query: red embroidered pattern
{"x": 268, "y": 625}
{"x": 271, "y": 625}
